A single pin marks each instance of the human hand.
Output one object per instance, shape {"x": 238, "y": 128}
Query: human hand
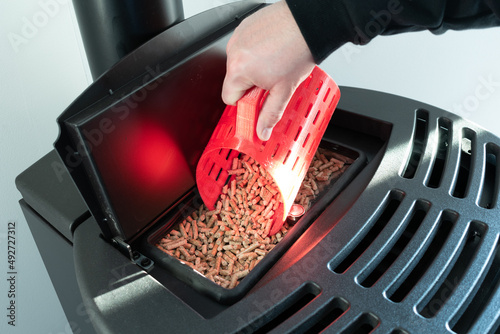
{"x": 267, "y": 50}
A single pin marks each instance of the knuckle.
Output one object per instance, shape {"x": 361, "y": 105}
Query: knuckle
{"x": 273, "y": 117}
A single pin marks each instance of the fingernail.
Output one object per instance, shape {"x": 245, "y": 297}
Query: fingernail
{"x": 266, "y": 133}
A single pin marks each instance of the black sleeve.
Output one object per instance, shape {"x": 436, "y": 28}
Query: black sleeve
{"x": 328, "y": 24}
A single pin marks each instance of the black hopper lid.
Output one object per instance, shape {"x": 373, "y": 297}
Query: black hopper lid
{"x": 132, "y": 140}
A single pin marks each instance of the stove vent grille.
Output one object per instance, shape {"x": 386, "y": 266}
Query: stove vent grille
{"x": 432, "y": 245}
{"x": 425, "y": 249}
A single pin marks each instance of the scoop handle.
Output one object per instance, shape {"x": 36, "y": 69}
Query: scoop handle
{"x": 248, "y": 108}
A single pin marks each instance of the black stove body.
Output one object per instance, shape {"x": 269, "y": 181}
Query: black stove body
{"x": 406, "y": 242}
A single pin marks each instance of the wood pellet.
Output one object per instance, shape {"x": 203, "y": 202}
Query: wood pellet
{"x": 326, "y": 167}
{"x": 225, "y": 244}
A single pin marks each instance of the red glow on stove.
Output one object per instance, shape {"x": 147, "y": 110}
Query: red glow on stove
{"x": 152, "y": 154}
{"x": 154, "y": 159}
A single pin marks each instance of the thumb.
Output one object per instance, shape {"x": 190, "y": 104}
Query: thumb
{"x": 233, "y": 90}
{"x": 273, "y": 109}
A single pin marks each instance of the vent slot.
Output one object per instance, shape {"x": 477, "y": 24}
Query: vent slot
{"x": 288, "y": 123}
{"x": 211, "y": 169}
{"x": 420, "y": 134}
{"x": 483, "y": 296}
{"x": 297, "y": 103}
{"x": 276, "y": 148}
{"x": 399, "y": 331}
{"x": 218, "y": 175}
{"x": 446, "y": 222}
{"x": 366, "y": 323}
{"x": 475, "y": 233}
{"x": 316, "y": 117}
{"x": 420, "y": 210}
{"x": 463, "y": 176}
{"x": 444, "y": 136}
{"x": 308, "y": 111}
{"x": 383, "y": 216}
{"x": 298, "y": 133}
{"x": 327, "y": 315}
{"x": 489, "y": 187}
{"x": 283, "y": 311}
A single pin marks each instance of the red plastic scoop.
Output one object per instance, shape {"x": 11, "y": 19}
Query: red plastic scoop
{"x": 288, "y": 152}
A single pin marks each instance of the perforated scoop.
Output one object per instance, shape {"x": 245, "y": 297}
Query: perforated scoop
{"x": 288, "y": 152}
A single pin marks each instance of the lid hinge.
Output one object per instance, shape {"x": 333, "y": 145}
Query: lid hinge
{"x": 134, "y": 256}
{"x": 123, "y": 247}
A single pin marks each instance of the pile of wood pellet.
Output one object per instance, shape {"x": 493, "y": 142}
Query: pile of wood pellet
{"x": 326, "y": 167}
{"x": 225, "y": 244}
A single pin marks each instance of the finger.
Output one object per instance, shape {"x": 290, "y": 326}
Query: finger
{"x": 272, "y": 110}
{"x": 233, "y": 89}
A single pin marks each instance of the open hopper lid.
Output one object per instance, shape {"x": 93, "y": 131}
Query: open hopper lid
{"x": 132, "y": 140}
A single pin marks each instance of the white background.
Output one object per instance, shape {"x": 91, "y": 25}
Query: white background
{"x": 41, "y": 74}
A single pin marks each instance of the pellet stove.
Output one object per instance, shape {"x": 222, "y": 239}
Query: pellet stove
{"x": 405, "y": 241}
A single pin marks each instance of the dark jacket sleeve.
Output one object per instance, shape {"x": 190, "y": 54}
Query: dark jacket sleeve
{"x": 328, "y": 24}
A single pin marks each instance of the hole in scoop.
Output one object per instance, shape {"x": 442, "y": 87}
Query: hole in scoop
{"x": 276, "y": 148}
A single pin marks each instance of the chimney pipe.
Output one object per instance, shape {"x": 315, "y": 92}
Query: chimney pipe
{"x": 113, "y": 28}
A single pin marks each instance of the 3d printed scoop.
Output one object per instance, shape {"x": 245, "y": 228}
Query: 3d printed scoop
{"x": 288, "y": 152}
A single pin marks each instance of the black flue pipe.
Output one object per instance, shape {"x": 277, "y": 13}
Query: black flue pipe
{"x": 111, "y": 29}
